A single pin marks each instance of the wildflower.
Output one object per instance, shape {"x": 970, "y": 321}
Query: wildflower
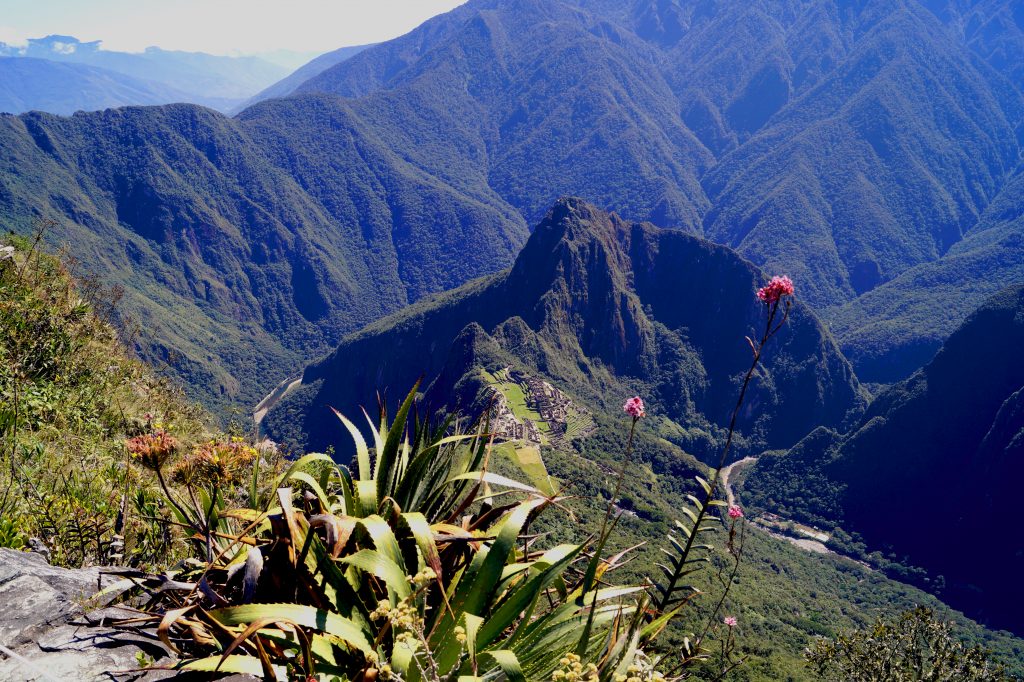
{"x": 152, "y": 449}
{"x": 424, "y": 577}
{"x": 735, "y": 512}
{"x": 730, "y": 621}
{"x": 775, "y": 289}
{"x": 214, "y": 462}
{"x": 634, "y": 407}
{"x": 573, "y": 670}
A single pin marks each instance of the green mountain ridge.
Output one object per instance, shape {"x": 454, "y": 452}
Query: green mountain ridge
{"x": 601, "y": 307}
{"x": 238, "y": 261}
{"x": 854, "y": 144}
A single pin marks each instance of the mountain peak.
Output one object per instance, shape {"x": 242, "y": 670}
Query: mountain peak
{"x": 575, "y": 273}
{"x": 604, "y": 306}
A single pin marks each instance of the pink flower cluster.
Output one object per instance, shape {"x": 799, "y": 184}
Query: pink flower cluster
{"x": 735, "y": 512}
{"x": 775, "y": 289}
{"x": 730, "y": 621}
{"x": 634, "y": 407}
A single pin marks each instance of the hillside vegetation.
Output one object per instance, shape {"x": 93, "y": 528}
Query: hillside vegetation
{"x": 70, "y": 396}
{"x": 846, "y": 145}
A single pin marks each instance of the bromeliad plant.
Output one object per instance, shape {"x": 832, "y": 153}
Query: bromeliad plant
{"x": 409, "y": 567}
{"x": 416, "y": 565}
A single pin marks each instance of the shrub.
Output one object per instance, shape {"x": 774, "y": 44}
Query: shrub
{"x": 915, "y": 647}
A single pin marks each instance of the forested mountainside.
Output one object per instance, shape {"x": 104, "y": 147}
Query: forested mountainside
{"x": 829, "y": 125}
{"x": 931, "y": 474}
{"x": 314, "y": 67}
{"x": 903, "y": 322}
{"x": 844, "y": 144}
{"x": 244, "y": 244}
{"x": 600, "y": 307}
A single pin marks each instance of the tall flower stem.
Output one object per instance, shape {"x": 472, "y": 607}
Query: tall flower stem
{"x": 770, "y": 329}
{"x": 606, "y": 529}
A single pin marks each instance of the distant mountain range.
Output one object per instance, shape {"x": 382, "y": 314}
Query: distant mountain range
{"x": 853, "y": 146}
{"x": 931, "y": 474}
{"x": 62, "y": 75}
{"x": 27, "y": 83}
{"x": 601, "y": 307}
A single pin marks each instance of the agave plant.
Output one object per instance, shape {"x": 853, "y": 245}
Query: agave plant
{"x": 414, "y": 564}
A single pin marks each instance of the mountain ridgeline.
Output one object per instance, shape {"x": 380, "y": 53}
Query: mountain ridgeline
{"x": 849, "y": 145}
{"x": 244, "y": 245}
{"x": 932, "y": 472}
{"x": 600, "y": 307}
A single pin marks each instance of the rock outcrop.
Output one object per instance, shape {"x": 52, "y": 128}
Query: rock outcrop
{"x": 48, "y": 633}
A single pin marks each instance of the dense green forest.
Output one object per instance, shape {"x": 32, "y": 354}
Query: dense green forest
{"x": 849, "y": 146}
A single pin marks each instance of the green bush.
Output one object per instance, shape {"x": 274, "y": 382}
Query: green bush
{"x": 915, "y": 647}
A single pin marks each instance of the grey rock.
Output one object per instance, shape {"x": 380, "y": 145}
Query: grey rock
{"x": 44, "y": 623}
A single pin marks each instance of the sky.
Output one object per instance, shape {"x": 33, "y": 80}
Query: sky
{"x": 218, "y": 26}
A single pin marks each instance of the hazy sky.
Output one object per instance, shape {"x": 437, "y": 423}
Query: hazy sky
{"x": 218, "y": 26}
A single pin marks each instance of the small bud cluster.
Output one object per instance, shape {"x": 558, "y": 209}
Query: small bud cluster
{"x": 404, "y": 616}
{"x": 423, "y": 578}
{"x": 573, "y": 670}
{"x": 642, "y": 670}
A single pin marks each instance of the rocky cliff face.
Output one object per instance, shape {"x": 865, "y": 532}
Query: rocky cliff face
{"x": 601, "y": 306}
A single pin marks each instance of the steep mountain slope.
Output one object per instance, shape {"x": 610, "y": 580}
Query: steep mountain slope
{"x": 947, "y": 440}
{"x": 210, "y": 80}
{"x": 890, "y": 331}
{"x": 599, "y": 306}
{"x": 314, "y": 67}
{"x": 831, "y": 125}
{"x": 542, "y": 97}
{"x": 993, "y": 29}
{"x": 240, "y": 252}
{"x": 891, "y": 191}
{"x": 28, "y": 84}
